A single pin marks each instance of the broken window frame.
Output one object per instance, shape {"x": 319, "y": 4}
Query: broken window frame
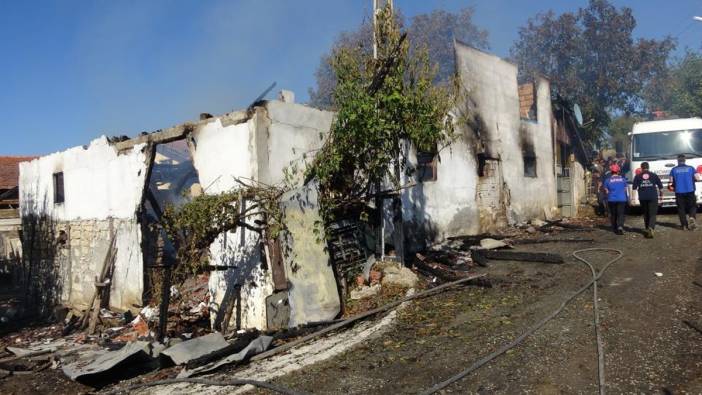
{"x": 59, "y": 190}
{"x": 427, "y": 163}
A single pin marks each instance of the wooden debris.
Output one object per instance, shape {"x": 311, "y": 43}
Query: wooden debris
{"x": 479, "y": 258}
{"x": 564, "y": 225}
{"x": 439, "y": 270}
{"x": 26, "y": 356}
{"x": 91, "y": 315}
{"x": 351, "y": 320}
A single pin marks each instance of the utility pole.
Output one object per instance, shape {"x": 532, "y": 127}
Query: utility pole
{"x": 376, "y": 8}
{"x": 396, "y": 200}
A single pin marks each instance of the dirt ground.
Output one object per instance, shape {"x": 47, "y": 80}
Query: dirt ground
{"x": 648, "y": 347}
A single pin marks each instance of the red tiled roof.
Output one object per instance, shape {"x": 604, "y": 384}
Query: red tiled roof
{"x": 9, "y": 170}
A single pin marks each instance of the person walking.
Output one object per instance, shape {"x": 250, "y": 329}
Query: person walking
{"x": 617, "y": 197}
{"x": 682, "y": 178}
{"x": 650, "y": 190}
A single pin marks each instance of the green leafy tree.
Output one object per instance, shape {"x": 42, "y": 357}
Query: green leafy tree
{"x": 593, "y": 59}
{"x": 620, "y": 127}
{"x": 680, "y": 90}
{"x": 380, "y": 103}
{"x": 433, "y": 32}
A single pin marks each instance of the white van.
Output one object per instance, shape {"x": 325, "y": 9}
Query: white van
{"x": 659, "y": 143}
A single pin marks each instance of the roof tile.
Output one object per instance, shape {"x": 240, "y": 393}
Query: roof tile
{"x": 9, "y": 170}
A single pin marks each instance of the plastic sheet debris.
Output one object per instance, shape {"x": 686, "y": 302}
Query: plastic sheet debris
{"x": 99, "y": 363}
{"x": 257, "y": 346}
{"x": 189, "y": 350}
{"x": 492, "y": 244}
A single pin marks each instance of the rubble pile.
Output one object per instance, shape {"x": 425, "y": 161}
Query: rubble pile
{"x": 125, "y": 345}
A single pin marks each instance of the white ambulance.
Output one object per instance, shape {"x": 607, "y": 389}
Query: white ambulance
{"x": 659, "y": 143}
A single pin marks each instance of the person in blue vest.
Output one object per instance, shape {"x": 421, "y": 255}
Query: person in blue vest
{"x": 650, "y": 190}
{"x": 617, "y": 197}
{"x": 682, "y": 178}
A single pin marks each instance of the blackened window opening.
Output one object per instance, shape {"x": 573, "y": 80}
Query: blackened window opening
{"x": 58, "y": 188}
{"x": 482, "y": 160}
{"x": 529, "y": 166}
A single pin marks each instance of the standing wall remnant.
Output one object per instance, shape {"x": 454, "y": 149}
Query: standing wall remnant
{"x": 499, "y": 168}
{"x": 70, "y": 201}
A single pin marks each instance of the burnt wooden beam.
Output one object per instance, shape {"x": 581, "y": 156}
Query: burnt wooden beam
{"x": 179, "y": 132}
{"x": 563, "y": 225}
{"x": 478, "y": 257}
{"x": 439, "y": 270}
{"x": 154, "y": 202}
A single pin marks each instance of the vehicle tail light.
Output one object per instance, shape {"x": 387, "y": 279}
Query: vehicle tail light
{"x": 699, "y": 169}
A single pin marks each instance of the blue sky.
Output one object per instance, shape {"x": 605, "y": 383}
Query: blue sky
{"x": 73, "y": 70}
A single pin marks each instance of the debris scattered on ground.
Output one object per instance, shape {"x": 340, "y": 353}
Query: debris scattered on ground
{"x": 367, "y": 267}
{"x": 123, "y": 345}
{"x": 365, "y": 291}
{"x": 102, "y": 367}
{"x": 658, "y": 274}
{"x": 187, "y": 351}
{"x": 399, "y": 276}
{"x": 439, "y": 270}
{"x": 537, "y": 223}
{"x": 257, "y": 346}
{"x": 492, "y": 244}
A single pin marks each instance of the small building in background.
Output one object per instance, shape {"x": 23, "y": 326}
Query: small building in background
{"x": 10, "y": 221}
{"x": 571, "y": 159}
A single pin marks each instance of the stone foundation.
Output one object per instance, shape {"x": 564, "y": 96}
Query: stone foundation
{"x": 63, "y": 260}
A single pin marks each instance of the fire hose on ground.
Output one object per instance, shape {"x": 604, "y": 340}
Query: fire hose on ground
{"x": 479, "y": 363}
{"x": 600, "y": 352}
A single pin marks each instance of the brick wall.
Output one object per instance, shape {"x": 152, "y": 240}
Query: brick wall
{"x": 527, "y": 102}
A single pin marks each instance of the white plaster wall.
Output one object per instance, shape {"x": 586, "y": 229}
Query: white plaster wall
{"x": 313, "y": 295}
{"x": 532, "y": 197}
{"x": 127, "y": 286}
{"x": 98, "y": 182}
{"x": 294, "y": 131}
{"x": 445, "y": 207}
{"x": 258, "y": 149}
{"x": 492, "y": 84}
{"x": 223, "y": 153}
{"x": 578, "y": 178}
